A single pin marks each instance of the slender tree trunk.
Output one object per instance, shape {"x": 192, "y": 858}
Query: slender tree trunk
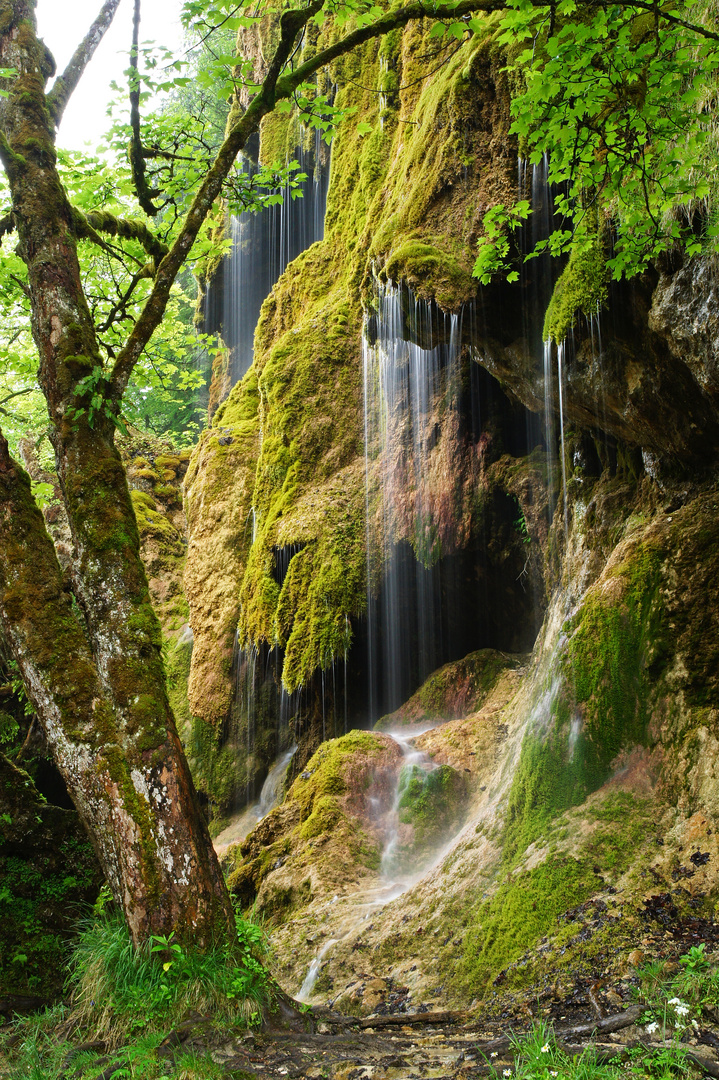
{"x": 96, "y": 679}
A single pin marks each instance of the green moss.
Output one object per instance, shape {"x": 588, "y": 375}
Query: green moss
{"x": 614, "y": 654}
{"x": 309, "y": 483}
{"x": 428, "y": 270}
{"x": 616, "y": 649}
{"x": 178, "y": 657}
{"x": 325, "y": 772}
{"x": 433, "y": 803}
{"x": 523, "y": 909}
{"x": 582, "y": 287}
{"x": 324, "y": 817}
{"x": 149, "y": 519}
{"x": 279, "y": 137}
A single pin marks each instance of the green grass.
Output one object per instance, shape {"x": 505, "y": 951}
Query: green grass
{"x": 537, "y": 1056}
{"x": 118, "y": 990}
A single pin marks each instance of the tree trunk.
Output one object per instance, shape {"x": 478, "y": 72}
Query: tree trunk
{"x": 96, "y": 677}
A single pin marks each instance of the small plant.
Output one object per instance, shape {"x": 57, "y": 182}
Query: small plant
{"x": 119, "y": 990}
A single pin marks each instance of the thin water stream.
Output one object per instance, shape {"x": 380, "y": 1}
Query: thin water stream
{"x": 397, "y": 873}
{"x": 269, "y": 798}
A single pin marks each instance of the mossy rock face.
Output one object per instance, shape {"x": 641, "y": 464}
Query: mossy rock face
{"x": 456, "y": 690}
{"x": 432, "y": 804}
{"x": 308, "y": 493}
{"x": 326, "y": 835}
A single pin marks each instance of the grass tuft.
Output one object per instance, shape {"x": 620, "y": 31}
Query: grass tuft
{"x": 119, "y": 990}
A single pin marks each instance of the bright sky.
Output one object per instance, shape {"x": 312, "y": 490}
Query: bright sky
{"x": 63, "y": 24}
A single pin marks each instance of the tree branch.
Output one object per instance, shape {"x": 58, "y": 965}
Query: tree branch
{"x": 137, "y": 157}
{"x": 124, "y": 228}
{"x": 65, "y": 84}
{"x": 272, "y": 90}
{"x": 17, "y": 393}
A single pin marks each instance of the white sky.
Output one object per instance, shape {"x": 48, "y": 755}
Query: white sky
{"x": 63, "y": 24}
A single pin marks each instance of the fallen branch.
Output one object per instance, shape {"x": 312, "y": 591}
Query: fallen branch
{"x": 597, "y": 1027}
{"x": 399, "y": 1019}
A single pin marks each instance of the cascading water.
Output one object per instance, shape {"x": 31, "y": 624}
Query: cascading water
{"x": 397, "y": 871}
{"x": 406, "y": 386}
{"x": 262, "y": 246}
{"x": 269, "y": 798}
{"x": 560, "y": 380}
{"x": 392, "y": 866}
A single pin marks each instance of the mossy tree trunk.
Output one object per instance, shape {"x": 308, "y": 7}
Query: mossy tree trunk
{"x": 95, "y": 673}
{"x": 89, "y": 652}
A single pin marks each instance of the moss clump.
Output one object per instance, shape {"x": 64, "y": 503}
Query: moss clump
{"x": 429, "y": 270}
{"x": 454, "y": 690}
{"x": 522, "y": 910}
{"x": 325, "y": 772}
{"x": 582, "y": 287}
{"x": 324, "y": 817}
{"x": 279, "y": 137}
{"x": 143, "y": 473}
{"x": 149, "y": 519}
{"x": 433, "y": 803}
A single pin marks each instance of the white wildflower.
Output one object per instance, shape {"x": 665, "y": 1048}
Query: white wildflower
{"x": 553, "y": 1072}
{"x": 651, "y": 1028}
{"x": 681, "y": 1010}
{"x": 493, "y": 1054}
{"x": 695, "y": 1025}
{"x": 507, "y": 1072}
{"x": 675, "y": 1001}
{"x": 545, "y": 1048}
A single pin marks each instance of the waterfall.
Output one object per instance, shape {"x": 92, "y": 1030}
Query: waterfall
{"x": 272, "y": 790}
{"x": 412, "y": 385}
{"x": 262, "y": 246}
{"x": 412, "y": 759}
{"x": 560, "y": 380}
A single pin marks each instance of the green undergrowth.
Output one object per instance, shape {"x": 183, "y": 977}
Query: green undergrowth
{"x": 48, "y": 876}
{"x": 123, "y": 1003}
{"x": 39, "y": 903}
{"x": 119, "y": 990}
{"x": 41, "y": 1050}
{"x": 537, "y": 1055}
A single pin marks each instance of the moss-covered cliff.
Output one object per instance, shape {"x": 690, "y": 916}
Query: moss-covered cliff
{"x": 405, "y": 202}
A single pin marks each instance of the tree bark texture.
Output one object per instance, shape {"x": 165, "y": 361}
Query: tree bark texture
{"x": 95, "y": 675}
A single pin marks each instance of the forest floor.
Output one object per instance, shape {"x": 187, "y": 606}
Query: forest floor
{"x": 419, "y": 1046}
